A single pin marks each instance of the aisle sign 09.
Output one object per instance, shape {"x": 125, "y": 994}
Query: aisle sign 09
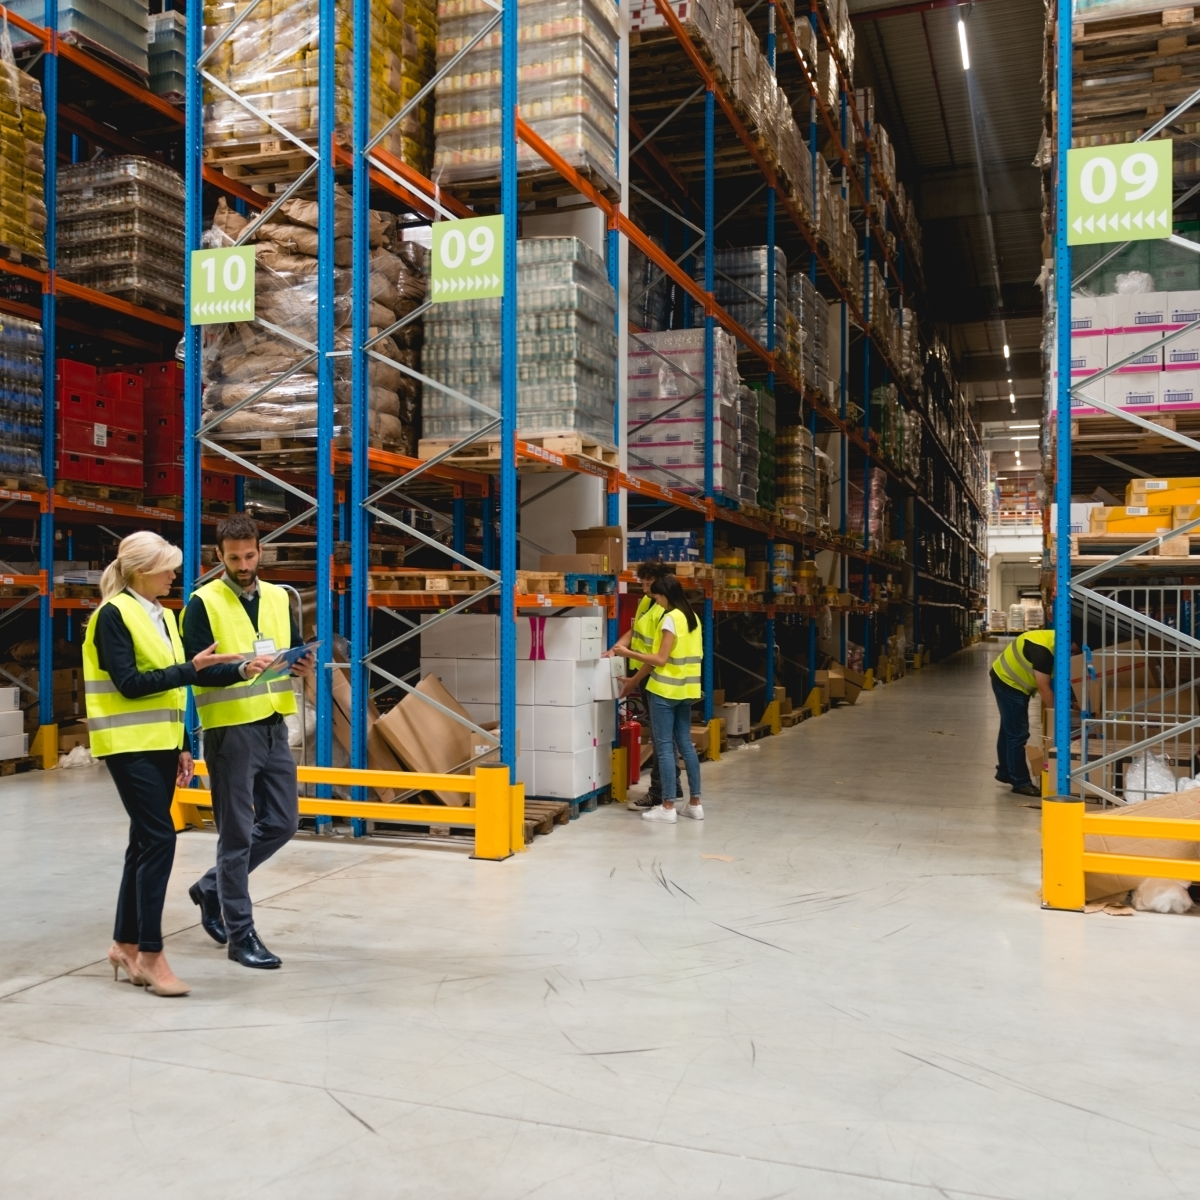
{"x": 468, "y": 259}
{"x": 222, "y": 285}
{"x": 1119, "y": 193}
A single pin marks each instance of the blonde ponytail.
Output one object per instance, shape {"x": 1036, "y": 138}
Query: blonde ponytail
{"x": 141, "y": 553}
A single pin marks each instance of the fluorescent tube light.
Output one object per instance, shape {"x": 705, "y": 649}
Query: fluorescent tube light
{"x": 962, "y": 45}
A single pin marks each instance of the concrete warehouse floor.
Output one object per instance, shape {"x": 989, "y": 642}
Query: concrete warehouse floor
{"x": 840, "y": 985}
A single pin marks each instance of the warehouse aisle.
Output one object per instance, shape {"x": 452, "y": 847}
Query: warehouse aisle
{"x": 839, "y": 985}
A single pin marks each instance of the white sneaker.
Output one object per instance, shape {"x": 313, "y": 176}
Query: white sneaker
{"x": 666, "y": 815}
{"x": 695, "y": 811}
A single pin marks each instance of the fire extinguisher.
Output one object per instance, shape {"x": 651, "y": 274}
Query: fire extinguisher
{"x": 630, "y": 734}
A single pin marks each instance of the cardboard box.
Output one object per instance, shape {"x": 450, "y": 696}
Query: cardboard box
{"x": 379, "y": 754}
{"x": 524, "y": 682}
{"x": 12, "y": 722}
{"x": 604, "y": 722}
{"x": 477, "y": 681}
{"x": 1146, "y": 518}
{"x": 464, "y": 635}
{"x": 1183, "y": 353}
{"x": 779, "y": 694}
{"x": 1091, "y": 314}
{"x": 1135, "y": 390}
{"x": 832, "y": 683}
{"x": 575, "y": 564}
{"x": 10, "y": 698}
{"x": 14, "y": 746}
{"x": 1139, "y": 311}
{"x": 1173, "y": 491}
{"x": 1122, "y": 666}
{"x": 425, "y": 739}
{"x": 564, "y": 776}
{"x": 718, "y": 697}
{"x": 486, "y": 716}
{"x": 576, "y": 637}
{"x": 561, "y": 683}
{"x": 1179, "y": 390}
{"x": 606, "y": 684}
{"x": 526, "y": 771}
{"x": 736, "y": 717}
{"x": 70, "y": 736}
{"x": 601, "y": 765}
{"x": 445, "y": 670}
{"x": 1131, "y": 345}
{"x": 1183, "y": 307}
{"x": 1179, "y": 804}
{"x": 608, "y": 541}
{"x": 563, "y": 730}
{"x": 1089, "y": 354}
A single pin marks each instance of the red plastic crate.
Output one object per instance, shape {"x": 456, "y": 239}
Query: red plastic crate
{"x": 74, "y": 403}
{"x": 167, "y": 480}
{"x": 164, "y": 424}
{"x": 157, "y": 375}
{"x": 163, "y": 450}
{"x": 70, "y": 374}
{"x": 87, "y": 468}
{"x": 121, "y": 384}
{"x": 163, "y": 400}
{"x": 94, "y": 437}
{"x": 115, "y": 412}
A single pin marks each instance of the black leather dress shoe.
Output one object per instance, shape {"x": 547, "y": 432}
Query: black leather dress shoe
{"x": 250, "y": 952}
{"x": 210, "y": 915}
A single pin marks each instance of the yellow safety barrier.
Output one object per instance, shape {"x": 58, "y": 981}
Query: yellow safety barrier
{"x": 620, "y": 774}
{"x": 714, "y": 740}
{"x": 497, "y": 816}
{"x": 772, "y": 717}
{"x": 1065, "y": 860}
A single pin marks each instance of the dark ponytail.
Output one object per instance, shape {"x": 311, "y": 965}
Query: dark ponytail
{"x": 670, "y": 589}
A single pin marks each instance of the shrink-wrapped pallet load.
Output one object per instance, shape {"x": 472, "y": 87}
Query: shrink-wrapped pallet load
{"x": 566, "y": 88}
{"x": 20, "y": 397}
{"x": 566, "y": 348}
{"x": 741, "y": 278}
{"x": 241, "y": 359}
{"x": 112, "y": 29}
{"x": 22, "y": 157}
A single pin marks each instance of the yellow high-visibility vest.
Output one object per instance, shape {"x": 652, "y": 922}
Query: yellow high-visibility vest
{"x": 120, "y": 726}
{"x": 248, "y": 700}
{"x": 1014, "y": 669}
{"x": 645, "y": 628}
{"x": 679, "y": 678}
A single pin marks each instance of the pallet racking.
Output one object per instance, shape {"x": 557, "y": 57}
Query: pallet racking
{"x": 362, "y": 495}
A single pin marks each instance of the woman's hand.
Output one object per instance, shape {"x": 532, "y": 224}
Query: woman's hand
{"x": 187, "y": 768}
{"x": 208, "y": 658}
{"x": 256, "y": 666}
{"x": 628, "y": 687}
{"x": 611, "y": 652}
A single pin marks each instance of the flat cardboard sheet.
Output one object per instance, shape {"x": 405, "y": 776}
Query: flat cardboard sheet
{"x": 1178, "y": 804}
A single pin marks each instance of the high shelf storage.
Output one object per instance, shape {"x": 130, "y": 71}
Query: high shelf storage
{"x": 751, "y": 192}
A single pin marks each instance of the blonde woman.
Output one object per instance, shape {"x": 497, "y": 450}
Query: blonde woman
{"x": 135, "y": 685}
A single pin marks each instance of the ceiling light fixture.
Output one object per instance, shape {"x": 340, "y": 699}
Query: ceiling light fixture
{"x": 962, "y": 44}
{"x": 1034, "y": 425}
{"x": 1012, "y": 397}
{"x": 1007, "y": 356}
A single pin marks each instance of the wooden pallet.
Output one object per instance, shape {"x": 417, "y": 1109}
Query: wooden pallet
{"x": 484, "y": 455}
{"x": 541, "y": 816}
{"x": 18, "y": 766}
{"x": 15, "y": 254}
{"x": 20, "y": 487}
{"x": 542, "y": 184}
{"x": 752, "y": 734}
{"x": 1096, "y": 432}
{"x": 412, "y": 580}
{"x": 97, "y": 491}
{"x": 177, "y": 503}
{"x": 538, "y": 583}
{"x": 272, "y": 160}
{"x": 1108, "y": 545}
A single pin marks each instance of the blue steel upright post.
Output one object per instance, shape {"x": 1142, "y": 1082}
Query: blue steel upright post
{"x": 359, "y": 530}
{"x": 193, "y": 173}
{"x": 867, "y": 393}
{"x": 812, "y": 275}
{"x": 843, "y": 364}
{"x": 46, "y": 522}
{"x": 1062, "y": 478}
{"x": 509, "y": 499}
{"x": 710, "y": 649}
{"x": 327, "y": 73}
{"x": 768, "y": 596}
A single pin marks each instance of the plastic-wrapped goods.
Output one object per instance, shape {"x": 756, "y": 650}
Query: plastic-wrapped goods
{"x": 121, "y": 229}
{"x": 113, "y": 29}
{"x": 908, "y": 348}
{"x": 272, "y": 60}
{"x": 709, "y": 23}
{"x": 747, "y": 71}
{"x": 20, "y": 397}
{"x": 240, "y": 360}
{"x": 795, "y": 474}
{"x": 876, "y": 506}
{"x": 566, "y": 348}
{"x": 650, "y": 292}
{"x": 766, "y": 444}
{"x": 811, "y": 311}
{"x": 666, "y": 430}
{"x": 740, "y": 286}
{"x": 748, "y": 454}
{"x": 566, "y": 88}
{"x": 22, "y": 158}
{"x": 167, "y": 45}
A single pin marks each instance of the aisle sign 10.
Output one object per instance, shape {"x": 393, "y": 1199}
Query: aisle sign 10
{"x": 222, "y": 285}
{"x": 468, "y": 259}
{"x": 1119, "y": 193}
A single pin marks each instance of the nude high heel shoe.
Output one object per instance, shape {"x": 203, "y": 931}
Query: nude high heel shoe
{"x": 168, "y": 987}
{"x": 120, "y": 962}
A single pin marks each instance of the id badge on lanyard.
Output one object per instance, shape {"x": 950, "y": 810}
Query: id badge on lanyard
{"x": 264, "y": 645}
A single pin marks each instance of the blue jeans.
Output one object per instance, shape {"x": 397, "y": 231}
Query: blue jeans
{"x": 1011, "y": 763}
{"x": 671, "y": 727}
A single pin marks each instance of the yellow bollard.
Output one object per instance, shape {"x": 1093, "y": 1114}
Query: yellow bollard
{"x": 620, "y": 774}
{"x": 493, "y": 813}
{"x": 814, "y": 702}
{"x": 45, "y": 746}
{"x": 771, "y": 717}
{"x": 916, "y": 660}
{"x": 869, "y": 678}
{"x": 1062, "y": 853}
{"x": 517, "y": 792}
{"x": 714, "y": 740}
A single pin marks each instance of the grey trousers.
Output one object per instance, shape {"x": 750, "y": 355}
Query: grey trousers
{"x": 254, "y": 794}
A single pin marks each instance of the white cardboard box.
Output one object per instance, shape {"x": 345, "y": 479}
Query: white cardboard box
{"x": 10, "y": 698}
{"x": 604, "y": 722}
{"x": 1183, "y": 307}
{"x": 607, "y": 681}
{"x": 524, "y": 682}
{"x": 1138, "y": 310}
{"x": 17, "y": 746}
{"x": 482, "y": 714}
{"x": 561, "y": 683}
{"x": 564, "y": 776}
{"x": 1089, "y": 353}
{"x": 1091, "y": 314}
{"x": 478, "y": 635}
{"x": 440, "y": 640}
{"x": 563, "y": 729}
{"x": 1135, "y": 390}
{"x": 1179, "y": 389}
{"x": 572, "y": 637}
{"x": 446, "y": 669}
{"x": 1122, "y": 345}
{"x": 525, "y": 728}
{"x": 602, "y": 768}
{"x": 1183, "y": 354}
{"x": 737, "y": 717}
{"x": 526, "y": 771}
{"x": 478, "y": 681}
{"x": 12, "y": 723}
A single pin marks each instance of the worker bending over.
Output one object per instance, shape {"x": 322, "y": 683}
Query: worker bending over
{"x": 1025, "y": 667}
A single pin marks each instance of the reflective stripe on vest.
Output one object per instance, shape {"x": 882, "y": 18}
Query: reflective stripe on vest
{"x": 120, "y": 726}
{"x": 1014, "y": 669}
{"x": 645, "y": 628}
{"x": 681, "y": 676}
{"x": 248, "y": 701}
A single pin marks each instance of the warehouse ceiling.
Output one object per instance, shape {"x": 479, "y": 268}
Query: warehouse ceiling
{"x": 909, "y": 53}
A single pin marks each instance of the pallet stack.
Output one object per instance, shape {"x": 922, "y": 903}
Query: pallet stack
{"x": 98, "y": 429}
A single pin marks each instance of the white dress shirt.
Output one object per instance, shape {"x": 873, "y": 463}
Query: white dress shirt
{"x": 154, "y": 611}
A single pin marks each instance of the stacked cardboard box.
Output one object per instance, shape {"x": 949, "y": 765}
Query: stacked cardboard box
{"x": 98, "y": 433}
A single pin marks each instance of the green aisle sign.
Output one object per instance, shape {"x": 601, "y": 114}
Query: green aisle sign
{"x": 1119, "y": 193}
{"x": 222, "y": 285}
{"x": 468, "y": 259}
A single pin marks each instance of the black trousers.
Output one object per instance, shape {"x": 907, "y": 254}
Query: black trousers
{"x": 255, "y": 806}
{"x": 1011, "y": 764}
{"x": 146, "y": 784}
